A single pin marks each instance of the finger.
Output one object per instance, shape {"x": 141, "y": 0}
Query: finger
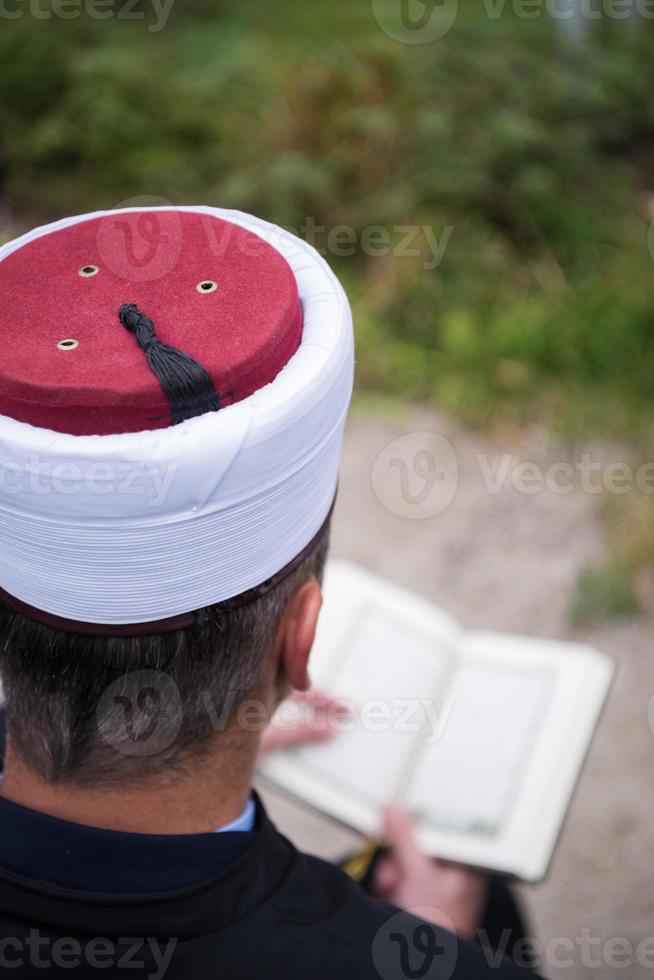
{"x": 461, "y": 872}
{"x": 313, "y": 732}
{"x": 321, "y": 701}
{"x": 399, "y": 832}
{"x": 386, "y": 877}
{"x": 275, "y": 738}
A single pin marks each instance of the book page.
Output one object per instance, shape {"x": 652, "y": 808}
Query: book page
{"x": 387, "y": 672}
{"x": 469, "y": 780}
{"x": 481, "y": 734}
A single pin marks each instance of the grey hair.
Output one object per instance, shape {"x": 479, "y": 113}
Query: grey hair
{"x": 91, "y": 710}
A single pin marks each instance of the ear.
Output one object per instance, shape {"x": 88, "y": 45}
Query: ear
{"x": 297, "y": 630}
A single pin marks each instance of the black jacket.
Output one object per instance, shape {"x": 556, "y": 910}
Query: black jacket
{"x": 273, "y": 913}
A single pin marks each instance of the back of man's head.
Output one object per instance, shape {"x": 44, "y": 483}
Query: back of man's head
{"x": 166, "y": 482}
{"x": 100, "y": 711}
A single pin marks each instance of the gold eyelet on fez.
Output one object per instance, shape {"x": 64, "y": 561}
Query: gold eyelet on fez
{"x": 68, "y": 344}
{"x": 207, "y": 286}
{"x": 87, "y": 271}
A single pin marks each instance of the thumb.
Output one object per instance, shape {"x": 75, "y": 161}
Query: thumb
{"x": 400, "y": 835}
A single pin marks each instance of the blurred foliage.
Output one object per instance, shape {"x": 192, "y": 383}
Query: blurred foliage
{"x": 531, "y": 151}
{"x": 624, "y": 583}
{"x": 604, "y": 593}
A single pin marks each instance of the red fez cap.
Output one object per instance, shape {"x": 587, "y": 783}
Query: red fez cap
{"x": 211, "y": 290}
{"x": 173, "y": 390}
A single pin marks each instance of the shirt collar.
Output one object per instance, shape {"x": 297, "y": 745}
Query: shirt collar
{"x": 243, "y": 823}
{"x": 47, "y": 849}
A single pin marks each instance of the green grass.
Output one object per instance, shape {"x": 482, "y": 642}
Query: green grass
{"x": 623, "y": 584}
{"x": 604, "y": 594}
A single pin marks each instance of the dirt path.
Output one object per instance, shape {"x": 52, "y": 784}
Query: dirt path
{"x": 503, "y": 558}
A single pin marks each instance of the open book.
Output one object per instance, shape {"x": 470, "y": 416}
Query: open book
{"x": 481, "y": 735}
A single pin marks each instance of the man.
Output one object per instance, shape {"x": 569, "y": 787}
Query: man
{"x": 172, "y": 397}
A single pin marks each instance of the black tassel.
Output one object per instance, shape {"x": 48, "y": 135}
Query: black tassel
{"x": 186, "y": 385}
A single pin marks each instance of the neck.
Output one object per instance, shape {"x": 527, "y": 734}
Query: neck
{"x": 210, "y": 792}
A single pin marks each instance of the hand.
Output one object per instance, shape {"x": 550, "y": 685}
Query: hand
{"x": 316, "y": 719}
{"x": 407, "y": 878}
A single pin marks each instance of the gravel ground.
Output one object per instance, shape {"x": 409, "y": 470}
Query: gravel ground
{"x": 502, "y": 558}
